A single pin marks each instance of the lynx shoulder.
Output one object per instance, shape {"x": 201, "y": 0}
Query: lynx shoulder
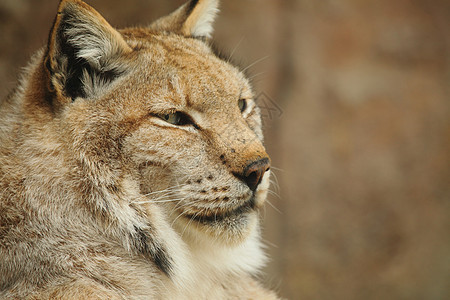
{"x": 131, "y": 165}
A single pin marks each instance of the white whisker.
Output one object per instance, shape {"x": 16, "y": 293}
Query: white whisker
{"x": 275, "y": 185}
{"x": 235, "y": 48}
{"x": 273, "y": 193}
{"x": 269, "y": 243}
{"x": 158, "y": 201}
{"x": 173, "y": 222}
{"x": 255, "y": 62}
{"x": 256, "y": 75}
{"x": 180, "y": 207}
{"x": 187, "y": 225}
{"x": 273, "y": 206}
{"x": 276, "y": 169}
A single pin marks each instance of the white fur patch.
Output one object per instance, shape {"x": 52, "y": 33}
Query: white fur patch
{"x": 210, "y": 261}
{"x": 203, "y": 25}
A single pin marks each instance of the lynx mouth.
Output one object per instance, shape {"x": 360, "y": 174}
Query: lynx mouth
{"x": 216, "y": 217}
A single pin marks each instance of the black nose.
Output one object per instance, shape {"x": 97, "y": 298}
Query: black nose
{"x": 254, "y": 172}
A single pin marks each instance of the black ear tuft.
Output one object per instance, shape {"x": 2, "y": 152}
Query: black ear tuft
{"x": 84, "y": 52}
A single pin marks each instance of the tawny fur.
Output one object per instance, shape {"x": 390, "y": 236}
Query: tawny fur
{"x": 101, "y": 197}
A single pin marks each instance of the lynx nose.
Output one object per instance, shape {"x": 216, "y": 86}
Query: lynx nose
{"x": 254, "y": 172}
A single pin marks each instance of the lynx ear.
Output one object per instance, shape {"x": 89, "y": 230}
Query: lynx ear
{"x": 84, "y": 51}
{"x": 194, "y": 18}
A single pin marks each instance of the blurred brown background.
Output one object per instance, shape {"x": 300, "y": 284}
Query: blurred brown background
{"x": 361, "y": 148}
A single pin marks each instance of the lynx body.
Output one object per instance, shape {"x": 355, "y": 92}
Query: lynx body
{"x": 131, "y": 165}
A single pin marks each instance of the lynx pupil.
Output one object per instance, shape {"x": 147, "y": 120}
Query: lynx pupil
{"x": 242, "y": 104}
{"x": 173, "y": 118}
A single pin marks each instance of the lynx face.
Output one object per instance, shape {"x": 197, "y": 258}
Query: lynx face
{"x": 157, "y": 105}
{"x": 195, "y": 137}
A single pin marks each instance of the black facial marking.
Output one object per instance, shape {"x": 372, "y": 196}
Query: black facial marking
{"x": 147, "y": 246}
{"x": 161, "y": 260}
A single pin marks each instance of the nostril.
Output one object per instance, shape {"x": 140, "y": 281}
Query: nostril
{"x": 253, "y": 179}
{"x": 254, "y": 172}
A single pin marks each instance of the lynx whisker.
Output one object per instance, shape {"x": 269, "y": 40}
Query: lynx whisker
{"x": 276, "y": 169}
{"x": 159, "y": 201}
{"x": 179, "y": 216}
{"x": 153, "y": 199}
{"x": 168, "y": 190}
{"x": 177, "y": 206}
{"x": 269, "y": 243}
{"x": 255, "y": 62}
{"x": 189, "y": 222}
{"x": 274, "y": 184}
{"x": 273, "y": 193}
{"x": 275, "y": 181}
{"x": 235, "y": 48}
{"x": 273, "y": 206}
{"x": 256, "y": 75}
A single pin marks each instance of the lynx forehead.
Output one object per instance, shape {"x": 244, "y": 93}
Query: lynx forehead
{"x": 131, "y": 165}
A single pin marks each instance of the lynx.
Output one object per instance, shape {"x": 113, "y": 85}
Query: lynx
{"x": 131, "y": 165}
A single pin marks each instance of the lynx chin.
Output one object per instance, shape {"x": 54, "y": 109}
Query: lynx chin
{"x": 131, "y": 165}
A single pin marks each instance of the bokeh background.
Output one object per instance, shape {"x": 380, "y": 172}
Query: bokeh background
{"x": 356, "y": 101}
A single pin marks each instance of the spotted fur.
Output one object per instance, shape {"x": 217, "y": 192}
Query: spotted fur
{"x": 101, "y": 197}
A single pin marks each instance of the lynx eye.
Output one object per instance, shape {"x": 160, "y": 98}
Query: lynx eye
{"x": 178, "y": 118}
{"x": 242, "y": 104}
{"x": 173, "y": 118}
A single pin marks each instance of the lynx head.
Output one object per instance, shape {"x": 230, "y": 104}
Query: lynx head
{"x": 156, "y": 106}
